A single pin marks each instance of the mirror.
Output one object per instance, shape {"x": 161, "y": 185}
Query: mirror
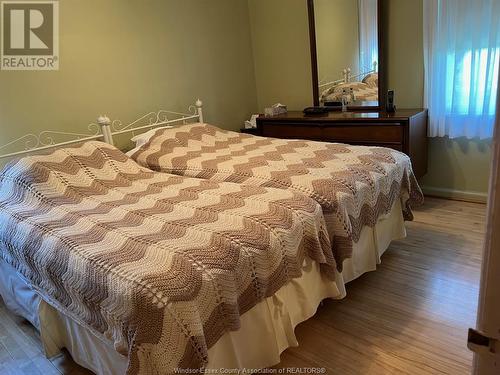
{"x": 345, "y": 53}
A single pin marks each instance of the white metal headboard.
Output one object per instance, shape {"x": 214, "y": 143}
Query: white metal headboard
{"x": 347, "y": 76}
{"x": 104, "y": 129}
{"x": 151, "y": 120}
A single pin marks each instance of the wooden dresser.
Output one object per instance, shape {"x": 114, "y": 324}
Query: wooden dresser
{"x": 405, "y": 130}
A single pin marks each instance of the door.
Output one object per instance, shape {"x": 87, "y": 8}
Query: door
{"x": 485, "y": 340}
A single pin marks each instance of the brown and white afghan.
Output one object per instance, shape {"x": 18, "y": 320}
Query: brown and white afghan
{"x": 162, "y": 265}
{"x": 355, "y": 185}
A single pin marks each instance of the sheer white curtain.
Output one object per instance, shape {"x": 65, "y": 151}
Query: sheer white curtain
{"x": 461, "y": 61}
{"x": 368, "y": 38}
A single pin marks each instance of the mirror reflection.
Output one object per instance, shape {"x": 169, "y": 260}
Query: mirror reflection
{"x": 347, "y": 51}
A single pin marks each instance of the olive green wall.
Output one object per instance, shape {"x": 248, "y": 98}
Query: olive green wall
{"x": 127, "y": 57}
{"x": 457, "y": 168}
{"x": 337, "y": 38}
{"x": 280, "y": 40}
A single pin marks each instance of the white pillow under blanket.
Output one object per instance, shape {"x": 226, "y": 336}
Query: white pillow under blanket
{"x": 371, "y": 79}
{"x": 143, "y": 138}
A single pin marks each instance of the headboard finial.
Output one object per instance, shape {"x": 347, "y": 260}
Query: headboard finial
{"x": 199, "y": 105}
{"x": 103, "y": 120}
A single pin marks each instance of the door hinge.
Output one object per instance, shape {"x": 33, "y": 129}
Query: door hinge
{"x": 480, "y": 343}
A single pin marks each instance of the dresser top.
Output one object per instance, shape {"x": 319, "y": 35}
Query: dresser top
{"x": 400, "y": 114}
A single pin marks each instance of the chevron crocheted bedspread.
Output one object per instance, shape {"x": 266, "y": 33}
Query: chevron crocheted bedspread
{"x": 159, "y": 264}
{"x": 355, "y": 185}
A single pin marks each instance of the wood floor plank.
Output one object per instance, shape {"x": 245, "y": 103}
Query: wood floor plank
{"x": 412, "y": 314}
{"x": 409, "y": 317}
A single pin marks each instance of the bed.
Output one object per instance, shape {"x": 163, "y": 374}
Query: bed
{"x": 355, "y": 185}
{"x": 272, "y": 321}
{"x": 364, "y": 86}
{"x": 271, "y": 318}
{"x": 362, "y": 91}
{"x": 158, "y": 266}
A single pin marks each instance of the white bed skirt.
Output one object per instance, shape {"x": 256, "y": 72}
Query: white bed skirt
{"x": 272, "y": 321}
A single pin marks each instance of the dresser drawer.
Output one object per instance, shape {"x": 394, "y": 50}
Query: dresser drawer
{"x": 277, "y": 130}
{"x": 373, "y": 133}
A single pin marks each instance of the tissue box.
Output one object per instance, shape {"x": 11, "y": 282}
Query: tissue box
{"x": 277, "y": 109}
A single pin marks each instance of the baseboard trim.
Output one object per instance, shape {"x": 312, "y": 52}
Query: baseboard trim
{"x": 459, "y": 195}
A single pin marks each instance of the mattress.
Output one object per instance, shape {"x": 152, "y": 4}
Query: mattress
{"x": 272, "y": 320}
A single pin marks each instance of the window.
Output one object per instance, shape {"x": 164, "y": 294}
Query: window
{"x": 462, "y": 50}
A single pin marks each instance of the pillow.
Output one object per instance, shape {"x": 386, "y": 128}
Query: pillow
{"x": 371, "y": 79}
{"x": 143, "y": 138}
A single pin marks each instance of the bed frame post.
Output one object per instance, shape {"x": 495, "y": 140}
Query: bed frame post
{"x": 199, "y": 105}
{"x": 105, "y": 124}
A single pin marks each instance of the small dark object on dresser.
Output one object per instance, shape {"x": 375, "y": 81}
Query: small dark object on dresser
{"x": 333, "y": 104}
{"x": 315, "y": 111}
{"x": 390, "y": 106}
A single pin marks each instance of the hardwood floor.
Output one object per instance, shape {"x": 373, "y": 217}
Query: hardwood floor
{"x": 409, "y": 317}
